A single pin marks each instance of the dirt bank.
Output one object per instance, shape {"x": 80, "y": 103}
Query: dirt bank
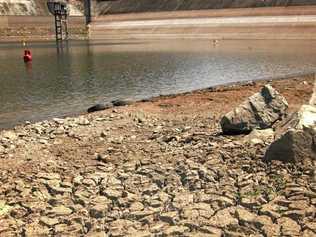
{"x": 245, "y": 23}
{"x": 33, "y": 28}
{"x": 159, "y": 168}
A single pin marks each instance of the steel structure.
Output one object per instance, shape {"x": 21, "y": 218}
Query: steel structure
{"x": 60, "y": 11}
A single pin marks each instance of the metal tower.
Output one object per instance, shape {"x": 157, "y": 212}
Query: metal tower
{"x": 60, "y": 11}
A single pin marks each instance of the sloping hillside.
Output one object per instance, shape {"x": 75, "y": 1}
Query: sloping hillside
{"x": 125, "y": 6}
{"x": 34, "y": 7}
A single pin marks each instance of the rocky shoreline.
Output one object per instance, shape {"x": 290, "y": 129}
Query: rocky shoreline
{"x": 155, "y": 168}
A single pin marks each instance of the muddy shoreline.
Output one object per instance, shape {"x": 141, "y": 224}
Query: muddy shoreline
{"x": 155, "y": 168}
{"x": 221, "y": 87}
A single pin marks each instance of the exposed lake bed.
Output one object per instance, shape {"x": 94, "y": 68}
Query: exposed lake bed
{"x": 150, "y": 167}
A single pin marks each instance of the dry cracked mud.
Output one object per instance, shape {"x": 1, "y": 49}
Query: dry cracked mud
{"x": 155, "y": 168}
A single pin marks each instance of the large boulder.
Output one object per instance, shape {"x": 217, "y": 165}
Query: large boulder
{"x": 260, "y": 111}
{"x": 296, "y": 141}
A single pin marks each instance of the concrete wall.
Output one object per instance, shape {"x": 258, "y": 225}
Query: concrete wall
{"x": 35, "y": 7}
{"x": 132, "y": 6}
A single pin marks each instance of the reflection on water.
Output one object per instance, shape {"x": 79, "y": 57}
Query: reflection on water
{"x": 78, "y": 75}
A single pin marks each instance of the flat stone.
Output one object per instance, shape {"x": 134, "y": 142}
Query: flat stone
{"x": 245, "y": 216}
{"x": 49, "y": 221}
{"x": 112, "y": 193}
{"x": 270, "y": 210}
{"x": 260, "y": 136}
{"x": 311, "y": 226}
{"x": 98, "y": 211}
{"x": 141, "y": 214}
{"x": 223, "y": 218}
{"x": 60, "y": 211}
{"x": 49, "y": 176}
{"x": 97, "y": 234}
{"x": 35, "y": 229}
{"x": 136, "y": 206}
{"x": 308, "y": 233}
{"x": 10, "y": 135}
{"x": 4, "y": 208}
{"x": 182, "y": 199}
{"x": 83, "y": 121}
{"x": 176, "y": 230}
{"x": 295, "y": 214}
{"x": 211, "y": 231}
{"x": 170, "y": 217}
{"x": 289, "y": 227}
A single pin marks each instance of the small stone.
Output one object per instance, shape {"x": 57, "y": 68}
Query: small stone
{"x": 49, "y": 176}
{"x": 296, "y": 215}
{"x": 99, "y": 107}
{"x": 289, "y": 227}
{"x": 308, "y": 233}
{"x": 97, "y": 234}
{"x": 176, "y": 230}
{"x": 141, "y": 214}
{"x": 170, "y": 217}
{"x": 136, "y": 206}
{"x": 311, "y": 226}
{"x": 245, "y": 216}
{"x": 98, "y": 211}
{"x": 4, "y": 208}
{"x": 60, "y": 211}
{"x": 35, "y": 229}
{"x": 299, "y": 205}
{"x": 182, "y": 199}
{"x": 211, "y": 231}
{"x": 59, "y": 131}
{"x": 223, "y": 218}
{"x": 78, "y": 180}
{"x": 43, "y": 141}
{"x": 270, "y": 210}
{"x": 83, "y": 122}
{"x": 113, "y": 194}
{"x": 260, "y": 136}
{"x": 49, "y": 221}
{"x": 10, "y": 135}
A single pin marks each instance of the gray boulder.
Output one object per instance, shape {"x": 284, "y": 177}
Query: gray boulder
{"x": 296, "y": 139}
{"x": 260, "y": 111}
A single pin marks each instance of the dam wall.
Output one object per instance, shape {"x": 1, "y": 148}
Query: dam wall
{"x": 103, "y": 7}
{"x": 35, "y": 8}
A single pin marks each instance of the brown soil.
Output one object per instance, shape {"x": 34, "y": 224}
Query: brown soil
{"x": 166, "y": 133}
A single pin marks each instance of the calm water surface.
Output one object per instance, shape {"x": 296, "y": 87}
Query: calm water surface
{"x": 68, "y": 81}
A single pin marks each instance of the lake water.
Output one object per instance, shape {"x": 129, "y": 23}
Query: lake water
{"x": 82, "y": 73}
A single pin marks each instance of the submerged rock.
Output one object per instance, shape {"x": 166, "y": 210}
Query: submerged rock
{"x": 121, "y": 102}
{"x": 99, "y": 107}
{"x": 260, "y": 111}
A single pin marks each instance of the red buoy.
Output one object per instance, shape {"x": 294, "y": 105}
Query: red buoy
{"x": 27, "y": 56}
